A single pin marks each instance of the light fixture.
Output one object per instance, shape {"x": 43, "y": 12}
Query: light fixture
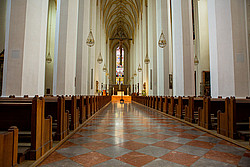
{"x": 48, "y": 58}
{"x": 90, "y": 40}
{"x": 104, "y": 68}
{"x": 196, "y": 60}
{"x": 146, "y": 60}
{"x": 162, "y": 41}
{"x": 135, "y": 73}
{"x": 99, "y": 59}
{"x": 139, "y": 68}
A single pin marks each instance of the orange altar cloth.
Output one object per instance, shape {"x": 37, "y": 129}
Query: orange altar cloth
{"x": 118, "y": 98}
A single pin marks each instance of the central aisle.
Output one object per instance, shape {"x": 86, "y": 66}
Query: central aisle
{"x": 132, "y": 135}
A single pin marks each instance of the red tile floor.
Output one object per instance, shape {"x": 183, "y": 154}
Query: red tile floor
{"x": 132, "y": 135}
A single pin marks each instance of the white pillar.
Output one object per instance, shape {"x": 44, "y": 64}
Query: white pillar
{"x": 92, "y": 59}
{"x": 140, "y": 74}
{"x": 65, "y": 47}
{"x": 228, "y": 48}
{"x": 98, "y": 49}
{"x": 183, "y": 64}
{"x": 25, "y": 47}
{"x": 160, "y": 57}
{"x": 82, "y": 69}
{"x": 152, "y": 48}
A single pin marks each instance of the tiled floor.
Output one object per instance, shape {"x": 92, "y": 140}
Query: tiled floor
{"x": 132, "y": 135}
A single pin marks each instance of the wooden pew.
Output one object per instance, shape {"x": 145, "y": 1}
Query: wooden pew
{"x": 194, "y": 103}
{"x": 156, "y": 102}
{"x": 209, "y": 111}
{"x": 165, "y": 105}
{"x": 9, "y": 147}
{"x": 150, "y": 101}
{"x": 71, "y": 106}
{"x": 234, "y": 117}
{"x": 29, "y": 117}
{"x": 55, "y": 106}
{"x": 147, "y": 101}
{"x": 92, "y": 105}
{"x": 160, "y": 107}
{"x": 171, "y": 106}
{"x": 153, "y": 102}
{"x": 180, "y": 107}
{"x": 88, "y": 111}
{"x": 82, "y": 109}
{"x": 95, "y": 104}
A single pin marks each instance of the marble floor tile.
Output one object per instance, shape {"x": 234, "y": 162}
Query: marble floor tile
{"x": 113, "y": 163}
{"x": 180, "y": 158}
{"x": 133, "y": 135}
{"x": 136, "y": 159}
{"x": 114, "y": 151}
{"x": 146, "y": 140}
{"x": 73, "y": 151}
{"x": 162, "y": 163}
{"x": 153, "y": 151}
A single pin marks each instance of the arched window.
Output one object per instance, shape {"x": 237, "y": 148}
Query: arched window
{"x": 119, "y": 66}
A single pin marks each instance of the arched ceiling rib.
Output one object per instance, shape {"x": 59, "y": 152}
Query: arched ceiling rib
{"x": 120, "y": 18}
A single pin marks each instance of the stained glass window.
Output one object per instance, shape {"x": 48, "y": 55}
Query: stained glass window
{"x": 119, "y": 66}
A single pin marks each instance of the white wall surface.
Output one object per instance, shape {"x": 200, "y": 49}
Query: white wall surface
{"x": 3, "y": 7}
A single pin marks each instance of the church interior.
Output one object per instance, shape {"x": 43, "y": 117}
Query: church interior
{"x": 124, "y": 83}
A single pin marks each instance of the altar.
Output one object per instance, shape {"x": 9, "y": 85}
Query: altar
{"x": 126, "y": 98}
{"x": 120, "y": 93}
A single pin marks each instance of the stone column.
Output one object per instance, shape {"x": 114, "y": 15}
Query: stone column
{"x": 183, "y": 64}
{"x": 82, "y": 48}
{"x": 163, "y": 54}
{"x": 140, "y": 74}
{"x": 25, "y": 47}
{"x": 65, "y": 47}
{"x": 228, "y": 48}
{"x": 152, "y": 48}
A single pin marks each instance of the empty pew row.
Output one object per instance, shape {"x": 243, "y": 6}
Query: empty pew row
{"x": 55, "y": 106}
{"x": 36, "y": 118}
{"x": 35, "y": 130}
{"x": 233, "y": 122}
{"x": 9, "y": 147}
{"x": 230, "y": 117}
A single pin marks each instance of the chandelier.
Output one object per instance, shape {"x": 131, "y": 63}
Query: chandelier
{"x": 196, "y": 60}
{"x": 104, "y": 68}
{"x": 90, "y": 40}
{"x": 135, "y": 73}
{"x": 99, "y": 59}
{"x": 48, "y": 58}
{"x": 139, "y": 68}
{"x": 146, "y": 60}
{"x": 162, "y": 41}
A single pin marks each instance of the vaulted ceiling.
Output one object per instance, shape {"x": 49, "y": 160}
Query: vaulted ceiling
{"x": 121, "y": 19}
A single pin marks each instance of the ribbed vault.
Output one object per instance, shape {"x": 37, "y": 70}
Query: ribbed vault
{"x": 120, "y": 19}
